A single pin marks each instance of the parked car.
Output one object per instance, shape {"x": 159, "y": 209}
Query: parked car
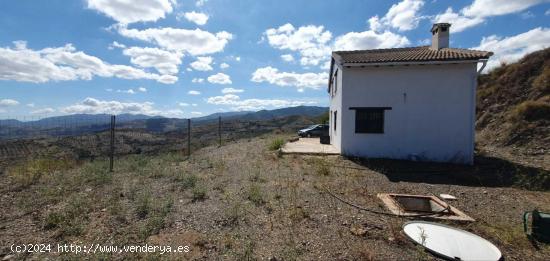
{"x": 317, "y": 130}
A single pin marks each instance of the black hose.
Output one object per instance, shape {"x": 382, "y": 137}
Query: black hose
{"x": 441, "y": 212}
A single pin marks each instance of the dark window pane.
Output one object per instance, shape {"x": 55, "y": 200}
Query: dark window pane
{"x": 369, "y": 121}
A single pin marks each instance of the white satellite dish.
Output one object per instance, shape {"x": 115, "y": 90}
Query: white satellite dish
{"x": 451, "y": 243}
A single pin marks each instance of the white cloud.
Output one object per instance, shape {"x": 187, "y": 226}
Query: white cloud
{"x": 126, "y": 12}
{"x": 479, "y": 10}
{"x": 403, "y": 16}
{"x": 219, "y": 78}
{"x": 116, "y": 44}
{"x": 231, "y": 90}
{"x": 129, "y": 91}
{"x": 95, "y": 106}
{"x": 197, "y": 80}
{"x": 287, "y": 57}
{"x": 195, "y": 17}
{"x": 8, "y": 102}
{"x": 301, "y": 81}
{"x": 513, "y": 48}
{"x": 202, "y": 63}
{"x": 253, "y": 104}
{"x": 369, "y": 40}
{"x": 30, "y": 105}
{"x": 200, "y": 2}
{"x": 196, "y": 113}
{"x": 164, "y": 62}
{"x": 193, "y": 92}
{"x": 195, "y": 42}
{"x": 183, "y": 104}
{"x": 458, "y": 21}
{"x": 547, "y": 12}
{"x": 43, "y": 111}
{"x": 224, "y": 66}
{"x": 486, "y": 8}
{"x": 238, "y": 58}
{"x": 310, "y": 41}
{"x": 64, "y": 64}
{"x": 142, "y": 89}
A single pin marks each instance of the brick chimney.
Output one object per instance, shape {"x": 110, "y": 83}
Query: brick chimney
{"x": 440, "y": 36}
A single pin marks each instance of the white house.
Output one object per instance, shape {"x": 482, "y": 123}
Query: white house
{"x": 414, "y": 103}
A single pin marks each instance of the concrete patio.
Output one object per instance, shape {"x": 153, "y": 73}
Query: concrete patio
{"x": 309, "y": 146}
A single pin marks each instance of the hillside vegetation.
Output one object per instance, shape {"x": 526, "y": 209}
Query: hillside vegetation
{"x": 513, "y": 106}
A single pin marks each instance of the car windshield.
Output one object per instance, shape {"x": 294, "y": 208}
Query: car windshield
{"x": 311, "y": 127}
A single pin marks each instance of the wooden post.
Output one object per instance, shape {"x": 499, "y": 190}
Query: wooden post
{"x": 112, "y": 154}
{"x": 220, "y": 130}
{"x": 189, "y": 137}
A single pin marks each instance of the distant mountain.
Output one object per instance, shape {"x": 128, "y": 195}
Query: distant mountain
{"x": 74, "y": 120}
{"x": 224, "y": 115}
{"x": 309, "y": 111}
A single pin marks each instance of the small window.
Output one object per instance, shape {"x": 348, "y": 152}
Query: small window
{"x": 335, "y": 118}
{"x": 369, "y": 120}
{"x": 335, "y": 80}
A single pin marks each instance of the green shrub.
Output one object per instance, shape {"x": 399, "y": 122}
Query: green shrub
{"x": 531, "y": 111}
{"x": 30, "y": 172}
{"x": 143, "y": 206}
{"x": 276, "y": 144}
{"x": 255, "y": 194}
{"x": 199, "y": 192}
{"x": 188, "y": 181}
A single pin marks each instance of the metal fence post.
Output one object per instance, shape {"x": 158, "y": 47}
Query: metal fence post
{"x": 189, "y": 137}
{"x": 220, "y": 130}
{"x": 112, "y": 152}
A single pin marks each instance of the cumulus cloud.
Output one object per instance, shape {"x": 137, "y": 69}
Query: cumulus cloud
{"x": 202, "y": 63}
{"x": 253, "y": 104}
{"x": 310, "y": 41}
{"x": 142, "y": 89}
{"x": 479, "y": 10}
{"x": 512, "y": 48}
{"x": 64, "y": 64}
{"x": 164, "y": 62}
{"x": 369, "y": 40}
{"x": 224, "y": 66}
{"x": 116, "y": 44}
{"x": 43, "y": 111}
{"x": 129, "y": 91}
{"x": 231, "y": 90}
{"x": 126, "y": 12}
{"x": 195, "y": 17}
{"x": 402, "y": 16}
{"x": 195, "y": 42}
{"x": 183, "y": 104}
{"x": 8, "y": 102}
{"x": 299, "y": 80}
{"x": 219, "y": 78}
{"x": 197, "y": 80}
{"x": 193, "y": 92}
{"x": 95, "y": 106}
{"x": 196, "y": 113}
{"x": 287, "y": 57}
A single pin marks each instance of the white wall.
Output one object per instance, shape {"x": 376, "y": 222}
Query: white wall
{"x": 434, "y": 122}
{"x": 336, "y": 105}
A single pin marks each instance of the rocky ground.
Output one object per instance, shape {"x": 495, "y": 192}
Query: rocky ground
{"x": 242, "y": 201}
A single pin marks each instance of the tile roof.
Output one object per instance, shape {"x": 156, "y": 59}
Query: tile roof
{"x": 409, "y": 54}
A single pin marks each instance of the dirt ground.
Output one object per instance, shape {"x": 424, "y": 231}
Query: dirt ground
{"x": 242, "y": 201}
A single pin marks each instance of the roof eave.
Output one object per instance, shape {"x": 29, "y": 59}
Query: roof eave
{"x": 412, "y": 63}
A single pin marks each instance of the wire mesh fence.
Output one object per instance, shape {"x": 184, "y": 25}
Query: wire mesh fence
{"x": 92, "y": 136}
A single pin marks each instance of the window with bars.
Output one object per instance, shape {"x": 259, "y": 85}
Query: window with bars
{"x": 369, "y": 120}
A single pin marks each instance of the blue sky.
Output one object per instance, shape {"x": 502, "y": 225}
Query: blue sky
{"x": 182, "y": 58}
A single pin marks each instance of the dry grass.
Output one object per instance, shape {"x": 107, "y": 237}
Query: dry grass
{"x": 242, "y": 202}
